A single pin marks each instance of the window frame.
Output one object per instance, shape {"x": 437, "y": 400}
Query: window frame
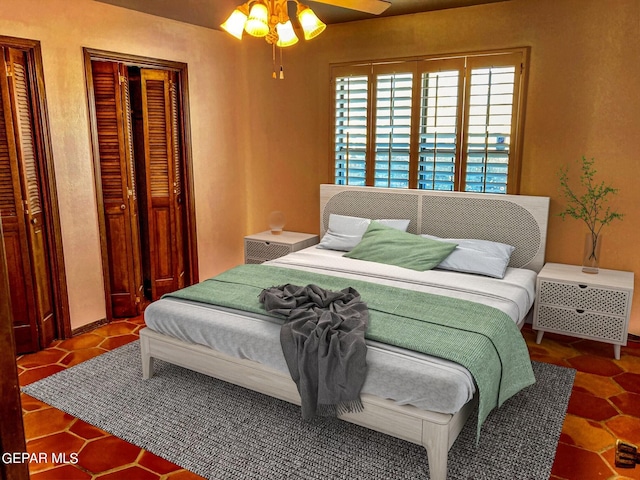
{"x": 518, "y": 57}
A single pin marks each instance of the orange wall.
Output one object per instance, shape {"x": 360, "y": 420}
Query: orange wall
{"x": 261, "y": 145}
{"x": 582, "y": 100}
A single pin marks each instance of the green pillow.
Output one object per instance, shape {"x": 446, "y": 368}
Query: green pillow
{"x": 388, "y": 245}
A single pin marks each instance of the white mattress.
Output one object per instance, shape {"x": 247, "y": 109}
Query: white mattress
{"x": 404, "y": 376}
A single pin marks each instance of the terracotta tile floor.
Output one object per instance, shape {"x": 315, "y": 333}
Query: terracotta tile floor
{"x": 93, "y": 452}
{"x": 604, "y": 406}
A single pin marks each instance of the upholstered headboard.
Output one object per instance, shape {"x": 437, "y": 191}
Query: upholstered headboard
{"x": 517, "y": 220}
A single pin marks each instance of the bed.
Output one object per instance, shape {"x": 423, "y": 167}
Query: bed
{"x": 398, "y": 394}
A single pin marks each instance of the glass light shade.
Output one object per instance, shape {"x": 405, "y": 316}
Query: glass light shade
{"x": 311, "y": 24}
{"x": 235, "y": 23}
{"x": 258, "y": 21}
{"x": 286, "y": 35}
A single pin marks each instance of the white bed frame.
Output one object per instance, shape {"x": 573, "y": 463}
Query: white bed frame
{"x": 514, "y": 219}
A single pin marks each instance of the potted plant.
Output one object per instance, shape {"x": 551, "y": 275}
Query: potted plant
{"x": 589, "y": 205}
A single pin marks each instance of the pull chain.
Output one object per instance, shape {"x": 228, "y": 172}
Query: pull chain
{"x": 281, "y": 68}
{"x": 273, "y": 57}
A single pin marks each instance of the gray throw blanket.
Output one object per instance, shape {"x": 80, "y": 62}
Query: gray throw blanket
{"x": 323, "y": 343}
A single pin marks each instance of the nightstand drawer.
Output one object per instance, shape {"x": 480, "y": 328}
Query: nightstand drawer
{"x": 262, "y": 251}
{"x": 584, "y": 297}
{"x": 582, "y": 323}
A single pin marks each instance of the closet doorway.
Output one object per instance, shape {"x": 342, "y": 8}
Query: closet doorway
{"x": 142, "y": 161}
{"x": 28, "y": 201}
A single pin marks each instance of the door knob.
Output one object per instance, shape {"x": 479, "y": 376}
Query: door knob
{"x": 122, "y": 207}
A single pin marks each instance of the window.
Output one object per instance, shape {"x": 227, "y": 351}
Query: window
{"x": 392, "y": 130}
{"x": 352, "y": 93}
{"x": 434, "y": 123}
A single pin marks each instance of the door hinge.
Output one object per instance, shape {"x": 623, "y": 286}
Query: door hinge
{"x": 121, "y": 79}
{"x": 26, "y": 207}
{"x": 9, "y": 71}
{"x": 138, "y": 300}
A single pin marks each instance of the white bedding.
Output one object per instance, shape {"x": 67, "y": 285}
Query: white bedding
{"x": 514, "y": 294}
{"x": 404, "y": 376}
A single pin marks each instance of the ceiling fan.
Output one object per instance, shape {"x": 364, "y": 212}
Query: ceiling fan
{"x": 270, "y": 18}
{"x": 375, "y": 7}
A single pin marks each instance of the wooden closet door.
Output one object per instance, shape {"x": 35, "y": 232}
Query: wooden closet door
{"x": 163, "y": 182}
{"x": 177, "y": 183}
{"x": 13, "y": 212}
{"x": 117, "y": 175}
{"x": 27, "y": 150}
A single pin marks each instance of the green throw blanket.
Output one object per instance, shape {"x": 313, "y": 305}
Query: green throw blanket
{"x": 483, "y": 339}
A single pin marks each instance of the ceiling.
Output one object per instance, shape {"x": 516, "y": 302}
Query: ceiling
{"x": 211, "y": 13}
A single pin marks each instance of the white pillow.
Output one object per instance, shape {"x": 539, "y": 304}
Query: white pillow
{"x": 345, "y": 232}
{"x": 481, "y": 257}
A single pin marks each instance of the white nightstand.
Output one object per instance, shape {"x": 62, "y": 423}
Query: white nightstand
{"x": 594, "y": 306}
{"x": 264, "y": 246}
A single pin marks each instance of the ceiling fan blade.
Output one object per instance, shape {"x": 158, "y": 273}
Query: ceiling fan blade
{"x": 375, "y": 7}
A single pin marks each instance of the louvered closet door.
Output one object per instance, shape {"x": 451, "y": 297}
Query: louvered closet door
{"x": 177, "y": 182}
{"x": 161, "y": 166}
{"x": 15, "y": 236}
{"x": 26, "y": 236}
{"x": 117, "y": 176}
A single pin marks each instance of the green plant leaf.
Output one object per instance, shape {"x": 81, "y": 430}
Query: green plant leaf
{"x": 588, "y": 203}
